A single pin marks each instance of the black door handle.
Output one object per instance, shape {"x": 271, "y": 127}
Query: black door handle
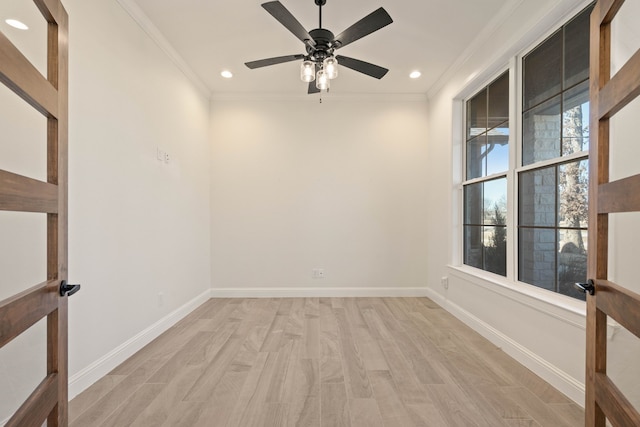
{"x": 68, "y": 290}
{"x": 586, "y": 287}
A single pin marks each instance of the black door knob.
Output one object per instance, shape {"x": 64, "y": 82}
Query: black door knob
{"x": 586, "y": 287}
{"x": 67, "y": 289}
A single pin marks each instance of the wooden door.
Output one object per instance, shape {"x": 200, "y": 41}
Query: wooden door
{"x": 605, "y": 401}
{"x": 49, "y": 96}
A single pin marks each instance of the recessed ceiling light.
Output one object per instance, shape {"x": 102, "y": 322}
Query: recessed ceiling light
{"x": 415, "y": 74}
{"x": 226, "y": 74}
{"x": 16, "y": 24}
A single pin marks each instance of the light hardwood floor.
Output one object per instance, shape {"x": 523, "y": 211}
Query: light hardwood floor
{"x": 322, "y": 362}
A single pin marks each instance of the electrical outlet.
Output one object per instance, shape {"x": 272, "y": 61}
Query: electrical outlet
{"x": 317, "y": 273}
{"x": 444, "y": 280}
{"x": 166, "y": 158}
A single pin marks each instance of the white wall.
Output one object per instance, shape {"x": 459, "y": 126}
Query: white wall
{"x": 545, "y": 332}
{"x": 138, "y": 227}
{"x": 297, "y": 185}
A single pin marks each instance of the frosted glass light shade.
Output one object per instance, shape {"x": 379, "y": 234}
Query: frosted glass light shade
{"x": 330, "y": 66}
{"x": 307, "y": 71}
{"x": 322, "y": 81}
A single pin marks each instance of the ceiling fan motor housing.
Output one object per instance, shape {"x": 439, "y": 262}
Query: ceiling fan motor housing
{"x": 324, "y": 44}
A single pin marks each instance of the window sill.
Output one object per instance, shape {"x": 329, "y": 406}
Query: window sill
{"x": 523, "y": 293}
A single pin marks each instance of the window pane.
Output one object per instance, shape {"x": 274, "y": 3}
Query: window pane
{"x": 33, "y": 42}
{"x": 473, "y": 246}
{"x": 473, "y": 204}
{"x": 487, "y": 153}
{"x": 575, "y": 119}
{"x": 495, "y": 202}
{"x": 23, "y": 256}
{"x": 573, "y": 190}
{"x": 537, "y": 201}
{"x": 498, "y": 93}
{"x": 576, "y": 48}
{"x": 543, "y": 71}
{"x": 23, "y": 147}
{"x": 553, "y": 200}
{"x": 541, "y": 132}
{"x": 495, "y": 249}
{"x": 498, "y": 149}
{"x": 476, "y": 157}
{"x": 572, "y": 261}
{"x": 537, "y": 257}
{"x": 477, "y": 114}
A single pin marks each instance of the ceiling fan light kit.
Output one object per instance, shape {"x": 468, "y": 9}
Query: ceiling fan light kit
{"x": 322, "y": 81}
{"x": 320, "y": 63}
{"x": 330, "y": 66}
{"x": 307, "y": 71}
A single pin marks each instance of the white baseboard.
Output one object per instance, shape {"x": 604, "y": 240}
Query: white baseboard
{"x": 92, "y": 373}
{"x": 564, "y": 382}
{"x": 315, "y": 292}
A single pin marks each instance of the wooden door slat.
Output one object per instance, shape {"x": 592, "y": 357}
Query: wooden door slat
{"x": 19, "y": 74}
{"x": 609, "y": 9}
{"x": 52, "y": 10}
{"x": 21, "y": 311}
{"x": 23, "y": 194}
{"x": 35, "y": 410}
{"x": 49, "y": 402}
{"x": 620, "y": 304}
{"x": 603, "y": 400}
{"x": 623, "y": 88}
{"x": 622, "y": 195}
{"x": 614, "y": 404}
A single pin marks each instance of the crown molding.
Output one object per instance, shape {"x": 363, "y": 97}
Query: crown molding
{"x": 553, "y": 17}
{"x": 154, "y": 33}
{"x": 479, "y": 40}
{"x": 315, "y": 98}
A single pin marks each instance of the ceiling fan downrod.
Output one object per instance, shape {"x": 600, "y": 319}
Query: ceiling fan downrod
{"x": 320, "y": 3}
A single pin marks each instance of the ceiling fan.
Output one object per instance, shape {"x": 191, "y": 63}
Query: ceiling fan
{"x": 320, "y": 63}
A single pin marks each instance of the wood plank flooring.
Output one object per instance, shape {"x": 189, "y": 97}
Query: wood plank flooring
{"x": 322, "y": 362}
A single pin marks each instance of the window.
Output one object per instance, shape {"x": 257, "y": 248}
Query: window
{"x": 485, "y": 188}
{"x": 551, "y": 172}
{"x": 552, "y": 197}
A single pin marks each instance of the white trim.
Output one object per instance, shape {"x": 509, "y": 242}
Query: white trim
{"x": 557, "y": 305}
{"x": 486, "y": 178}
{"x": 326, "y": 97}
{"x": 154, "y": 33}
{"x": 553, "y": 18}
{"x": 101, "y": 367}
{"x": 484, "y": 35}
{"x": 562, "y": 381}
{"x": 580, "y": 155}
{"x": 316, "y": 292}
{"x": 567, "y": 309}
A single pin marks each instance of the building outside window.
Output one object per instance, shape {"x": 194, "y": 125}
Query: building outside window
{"x": 552, "y": 166}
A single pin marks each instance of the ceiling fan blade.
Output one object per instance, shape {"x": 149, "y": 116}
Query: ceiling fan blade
{"x": 272, "y": 61}
{"x": 312, "y": 84}
{"x": 367, "y": 25}
{"x": 278, "y": 11}
{"x": 362, "y": 67}
{"x": 312, "y": 88}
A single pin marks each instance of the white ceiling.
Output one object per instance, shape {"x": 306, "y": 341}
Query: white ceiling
{"x": 214, "y": 35}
